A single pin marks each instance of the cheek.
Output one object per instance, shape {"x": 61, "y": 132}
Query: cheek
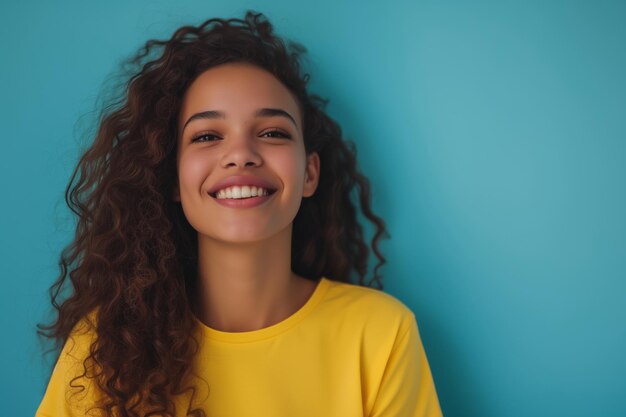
{"x": 193, "y": 171}
{"x": 290, "y": 163}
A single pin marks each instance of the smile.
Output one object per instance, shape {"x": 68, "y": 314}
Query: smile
{"x": 242, "y": 198}
{"x": 240, "y": 192}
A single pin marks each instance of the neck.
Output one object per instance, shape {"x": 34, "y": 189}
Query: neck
{"x": 247, "y": 286}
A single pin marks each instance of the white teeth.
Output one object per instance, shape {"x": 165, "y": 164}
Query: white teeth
{"x": 245, "y": 191}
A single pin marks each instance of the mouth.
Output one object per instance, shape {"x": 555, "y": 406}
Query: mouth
{"x": 237, "y": 201}
{"x": 269, "y": 193}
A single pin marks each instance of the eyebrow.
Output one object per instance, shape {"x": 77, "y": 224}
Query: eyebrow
{"x": 216, "y": 114}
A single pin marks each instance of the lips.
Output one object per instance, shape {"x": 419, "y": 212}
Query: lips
{"x": 242, "y": 180}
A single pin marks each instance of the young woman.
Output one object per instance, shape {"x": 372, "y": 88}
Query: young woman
{"x": 212, "y": 269}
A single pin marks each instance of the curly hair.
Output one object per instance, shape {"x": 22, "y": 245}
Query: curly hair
{"x": 133, "y": 259}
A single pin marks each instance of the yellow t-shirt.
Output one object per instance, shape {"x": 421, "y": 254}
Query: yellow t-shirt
{"x": 348, "y": 351}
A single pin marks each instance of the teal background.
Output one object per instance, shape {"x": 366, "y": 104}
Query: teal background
{"x": 494, "y": 134}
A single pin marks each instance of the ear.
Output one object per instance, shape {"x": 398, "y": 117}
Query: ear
{"x": 311, "y": 175}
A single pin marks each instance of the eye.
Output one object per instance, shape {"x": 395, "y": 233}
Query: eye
{"x": 204, "y": 137}
{"x": 277, "y": 134}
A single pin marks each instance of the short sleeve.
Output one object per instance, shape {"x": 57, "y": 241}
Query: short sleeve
{"x": 407, "y": 387}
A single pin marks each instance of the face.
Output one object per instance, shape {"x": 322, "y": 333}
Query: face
{"x": 239, "y": 120}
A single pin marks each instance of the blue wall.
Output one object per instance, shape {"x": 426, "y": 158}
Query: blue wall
{"x": 494, "y": 134}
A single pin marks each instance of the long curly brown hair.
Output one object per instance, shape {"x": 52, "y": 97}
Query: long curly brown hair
{"x": 133, "y": 259}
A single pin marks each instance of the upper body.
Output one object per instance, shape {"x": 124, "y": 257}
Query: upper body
{"x": 212, "y": 189}
{"x": 348, "y": 351}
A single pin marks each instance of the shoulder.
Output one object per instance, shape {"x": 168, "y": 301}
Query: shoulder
{"x": 80, "y": 339}
{"x": 70, "y": 390}
{"x": 359, "y": 297}
{"x": 375, "y": 310}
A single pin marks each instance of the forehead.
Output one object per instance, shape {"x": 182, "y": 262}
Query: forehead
{"x": 236, "y": 88}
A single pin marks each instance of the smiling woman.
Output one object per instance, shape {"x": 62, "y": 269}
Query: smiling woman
{"x": 218, "y": 267}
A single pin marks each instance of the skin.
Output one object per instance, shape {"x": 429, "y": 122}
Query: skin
{"x": 244, "y": 254}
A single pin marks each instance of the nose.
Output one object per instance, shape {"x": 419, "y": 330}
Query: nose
{"x": 240, "y": 150}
